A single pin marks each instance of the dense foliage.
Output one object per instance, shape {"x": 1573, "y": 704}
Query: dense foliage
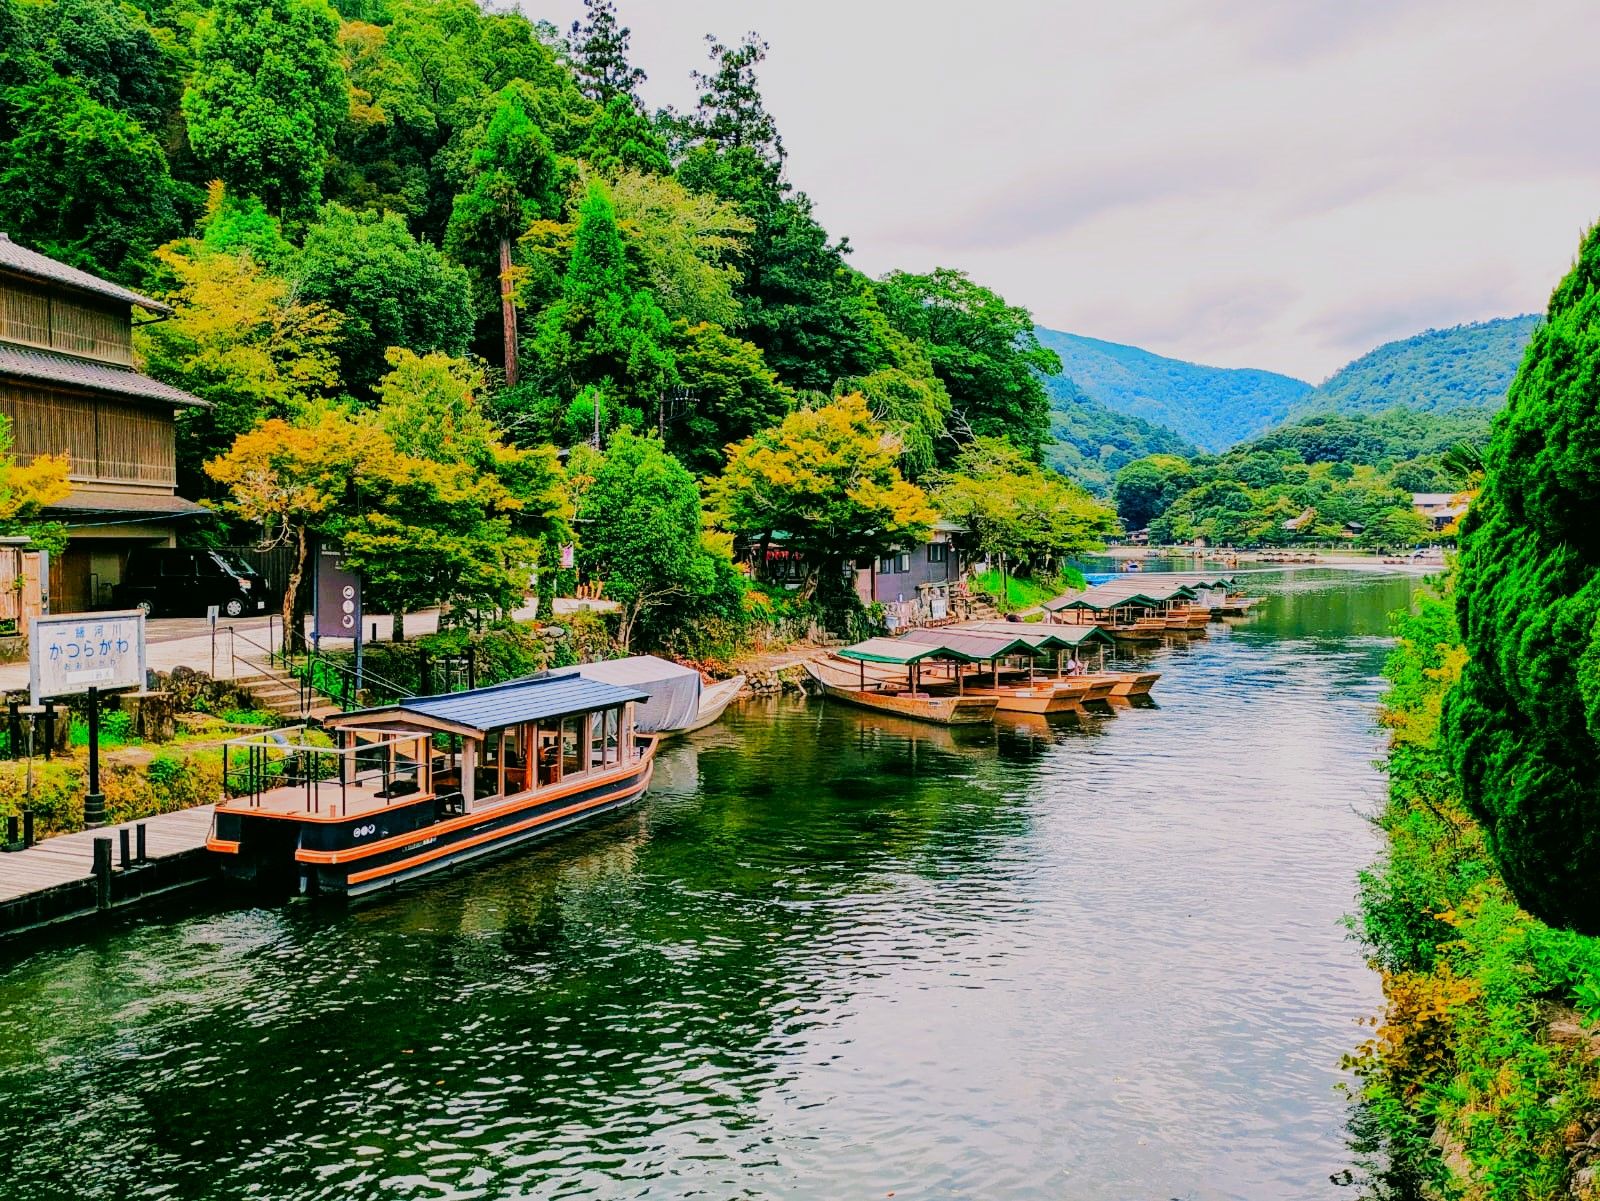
{"x": 1525, "y": 723}
{"x": 401, "y": 211}
{"x": 1468, "y": 367}
{"x": 1092, "y": 443}
{"x": 1324, "y": 478}
{"x": 1213, "y": 407}
{"x": 1480, "y": 1079}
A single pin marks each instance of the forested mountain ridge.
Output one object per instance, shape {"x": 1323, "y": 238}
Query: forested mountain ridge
{"x": 1093, "y": 443}
{"x": 1438, "y": 370}
{"x": 1213, "y": 407}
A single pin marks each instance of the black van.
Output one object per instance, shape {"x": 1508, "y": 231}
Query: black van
{"x": 188, "y": 582}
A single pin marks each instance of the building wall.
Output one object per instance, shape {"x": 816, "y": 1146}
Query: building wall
{"x": 109, "y": 443}
{"x": 34, "y": 315}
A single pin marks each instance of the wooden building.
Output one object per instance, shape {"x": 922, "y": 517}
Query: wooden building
{"x": 68, "y": 385}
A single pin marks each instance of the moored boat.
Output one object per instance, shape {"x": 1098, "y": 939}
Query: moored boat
{"x": 844, "y": 677}
{"x": 412, "y": 788}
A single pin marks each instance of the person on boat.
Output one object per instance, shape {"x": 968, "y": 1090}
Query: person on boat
{"x": 1074, "y": 666}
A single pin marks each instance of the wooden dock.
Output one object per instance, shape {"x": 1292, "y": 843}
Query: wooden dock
{"x": 55, "y": 880}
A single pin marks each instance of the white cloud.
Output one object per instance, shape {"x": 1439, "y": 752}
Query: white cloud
{"x": 1249, "y": 183}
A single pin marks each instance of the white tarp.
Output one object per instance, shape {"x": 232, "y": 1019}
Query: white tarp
{"x": 674, "y": 691}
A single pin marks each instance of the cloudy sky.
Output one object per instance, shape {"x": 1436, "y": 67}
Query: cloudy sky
{"x": 1252, "y": 183}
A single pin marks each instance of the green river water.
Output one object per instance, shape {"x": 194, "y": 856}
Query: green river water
{"x": 830, "y": 956}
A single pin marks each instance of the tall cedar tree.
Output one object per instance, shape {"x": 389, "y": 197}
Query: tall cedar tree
{"x": 600, "y": 55}
{"x": 513, "y": 182}
{"x": 1524, "y": 721}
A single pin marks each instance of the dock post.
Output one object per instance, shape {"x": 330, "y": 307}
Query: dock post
{"x": 94, "y": 801}
{"x": 27, "y": 828}
{"x": 49, "y": 728}
{"x": 11, "y": 831}
{"x": 102, "y": 872}
{"x": 14, "y": 727}
{"x": 140, "y": 854}
{"x": 125, "y": 840}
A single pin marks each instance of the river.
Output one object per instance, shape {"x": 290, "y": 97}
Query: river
{"x": 830, "y": 956}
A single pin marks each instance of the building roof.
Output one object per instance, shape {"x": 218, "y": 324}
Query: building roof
{"x": 1435, "y": 498}
{"x": 50, "y": 367}
{"x": 84, "y": 503}
{"x": 19, "y": 260}
{"x": 1105, "y": 596}
{"x": 483, "y": 709}
{"x": 898, "y": 650}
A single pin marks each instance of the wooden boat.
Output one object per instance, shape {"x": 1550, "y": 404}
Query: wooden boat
{"x": 847, "y": 681}
{"x": 415, "y": 787}
{"x": 713, "y": 700}
{"x": 1237, "y": 606}
{"x": 1123, "y": 683}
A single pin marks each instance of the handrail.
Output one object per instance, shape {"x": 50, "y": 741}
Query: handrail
{"x": 266, "y": 669}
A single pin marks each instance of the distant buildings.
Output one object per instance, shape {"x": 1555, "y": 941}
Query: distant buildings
{"x": 1440, "y": 509}
{"x": 68, "y": 385}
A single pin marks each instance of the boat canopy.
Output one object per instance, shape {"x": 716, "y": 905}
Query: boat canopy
{"x": 899, "y": 651}
{"x": 1157, "y": 589}
{"x": 1101, "y": 598}
{"x": 478, "y": 711}
{"x": 673, "y": 690}
{"x": 1045, "y": 637}
{"x": 973, "y": 644}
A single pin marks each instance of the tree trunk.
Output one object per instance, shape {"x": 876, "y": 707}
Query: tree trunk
{"x": 293, "y": 635}
{"x": 399, "y": 625}
{"x": 508, "y": 313}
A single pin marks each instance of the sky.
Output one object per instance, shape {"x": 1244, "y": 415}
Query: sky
{"x": 1281, "y": 184}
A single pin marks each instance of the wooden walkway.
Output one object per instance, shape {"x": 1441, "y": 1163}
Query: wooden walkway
{"x": 54, "y": 880}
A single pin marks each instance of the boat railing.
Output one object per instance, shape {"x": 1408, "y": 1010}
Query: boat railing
{"x": 299, "y": 766}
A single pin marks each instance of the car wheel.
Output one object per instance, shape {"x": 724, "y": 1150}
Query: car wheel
{"x": 145, "y": 607}
{"x": 234, "y": 608}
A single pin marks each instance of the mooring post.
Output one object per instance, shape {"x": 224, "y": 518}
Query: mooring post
{"x": 11, "y": 831}
{"x": 49, "y": 728}
{"x": 94, "y": 801}
{"x": 126, "y": 847}
{"x": 14, "y": 726}
{"x": 27, "y": 828}
{"x": 142, "y": 856}
{"x": 102, "y": 871}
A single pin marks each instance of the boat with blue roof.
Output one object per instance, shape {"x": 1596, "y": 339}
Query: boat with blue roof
{"x": 389, "y": 794}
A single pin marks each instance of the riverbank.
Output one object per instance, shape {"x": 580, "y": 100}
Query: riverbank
{"x": 1426, "y": 565}
{"x": 1482, "y": 1078}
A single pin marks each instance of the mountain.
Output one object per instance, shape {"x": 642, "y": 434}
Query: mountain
{"x": 1213, "y": 407}
{"x": 1092, "y": 443}
{"x": 1439, "y": 370}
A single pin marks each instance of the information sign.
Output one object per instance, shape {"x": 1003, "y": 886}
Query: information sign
{"x": 73, "y": 652}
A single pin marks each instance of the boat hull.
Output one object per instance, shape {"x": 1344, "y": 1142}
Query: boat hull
{"x": 941, "y": 710}
{"x": 363, "y": 854}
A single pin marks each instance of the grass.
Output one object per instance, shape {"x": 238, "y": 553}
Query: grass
{"x": 1020, "y": 592}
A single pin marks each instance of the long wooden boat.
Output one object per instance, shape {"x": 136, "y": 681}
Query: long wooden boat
{"x": 1124, "y": 683}
{"x": 416, "y": 787}
{"x": 1237, "y": 606}
{"x": 841, "y": 680}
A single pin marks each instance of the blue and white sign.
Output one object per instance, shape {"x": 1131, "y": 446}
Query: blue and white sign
{"x": 73, "y": 652}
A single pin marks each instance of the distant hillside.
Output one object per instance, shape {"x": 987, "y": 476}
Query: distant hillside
{"x": 1441, "y": 370}
{"x": 1213, "y": 407}
{"x": 1092, "y": 443}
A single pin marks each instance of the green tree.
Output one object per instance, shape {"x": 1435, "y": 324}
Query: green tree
{"x": 684, "y": 247}
{"x": 623, "y": 138}
{"x": 1524, "y": 722}
{"x": 514, "y": 181}
{"x": 267, "y": 95}
{"x": 641, "y": 537}
{"x": 600, "y": 56}
{"x": 728, "y": 393}
{"x": 983, "y": 349}
{"x": 1145, "y": 487}
{"x": 391, "y": 290}
{"x": 84, "y": 183}
{"x": 826, "y": 480}
{"x": 601, "y": 332}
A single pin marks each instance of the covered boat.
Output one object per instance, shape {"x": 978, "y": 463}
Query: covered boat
{"x": 895, "y": 684}
{"x": 414, "y": 787}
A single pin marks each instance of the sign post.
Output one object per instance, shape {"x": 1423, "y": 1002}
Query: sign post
{"x": 338, "y": 609}
{"x": 86, "y": 653}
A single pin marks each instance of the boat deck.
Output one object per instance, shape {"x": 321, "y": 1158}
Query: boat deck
{"x": 323, "y": 801}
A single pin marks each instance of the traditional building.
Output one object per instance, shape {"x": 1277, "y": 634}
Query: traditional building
{"x": 1440, "y": 509}
{"x": 917, "y": 583}
{"x": 68, "y": 385}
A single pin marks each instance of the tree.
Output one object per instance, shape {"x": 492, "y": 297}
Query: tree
{"x": 731, "y": 114}
{"x": 826, "y": 480}
{"x": 1146, "y": 487}
{"x": 600, "y": 56}
{"x": 684, "y": 245}
{"x": 1016, "y": 512}
{"x": 983, "y": 349}
{"x": 27, "y": 489}
{"x": 299, "y": 480}
{"x": 84, "y": 183}
{"x": 1524, "y": 721}
{"x": 239, "y": 338}
{"x": 513, "y": 182}
{"x": 640, "y": 536}
{"x": 623, "y": 138}
{"x": 602, "y": 332}
{"x": 390, "y": 289}
{"x": 730, "y": 394}
{"x": 267, "y": 95}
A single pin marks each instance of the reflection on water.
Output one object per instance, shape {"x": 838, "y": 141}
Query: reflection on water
{"x": 832, "y": 955}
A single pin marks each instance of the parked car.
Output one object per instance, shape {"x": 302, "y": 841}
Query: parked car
{"x": 169, "y": 582}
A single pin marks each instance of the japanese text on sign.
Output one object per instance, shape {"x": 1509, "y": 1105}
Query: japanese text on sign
{"x": 74, "y": 652}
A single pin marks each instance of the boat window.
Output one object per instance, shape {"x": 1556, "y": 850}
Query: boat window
{"x": 571, "y": 746}
{"x": 548, "y": 741}
{"x": 597, "y": 740}
{"x": 613, "y": 733}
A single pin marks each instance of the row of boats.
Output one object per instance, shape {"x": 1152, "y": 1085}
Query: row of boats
{"x": 964, "y": 673}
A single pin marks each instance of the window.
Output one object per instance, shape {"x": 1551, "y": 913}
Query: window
{"x": 938, "y": 552}
{"x": 597, "y": 741}
{"x": 613, "y": 735}
{"x": 572, "y": 746}
{"x": 886, "y": 565}
{"x": 902, "y": 563}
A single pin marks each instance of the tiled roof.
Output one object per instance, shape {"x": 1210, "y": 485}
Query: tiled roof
{"x": 98, "y": 504}
{"x": 485, "y": 709}
{"x": 27, "y": 362}
{"x": 22, "y": 261}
